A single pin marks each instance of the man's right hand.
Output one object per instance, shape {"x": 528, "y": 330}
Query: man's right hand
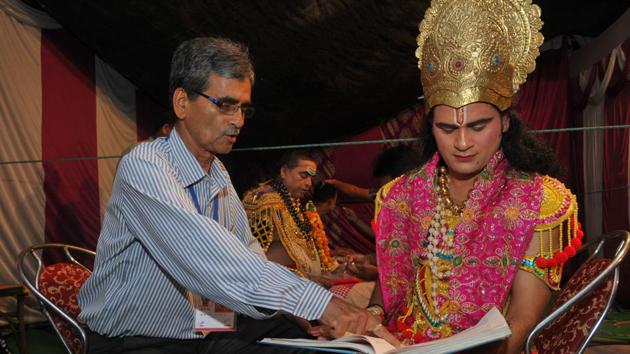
{"x": 363, "y": 270}
{"x": 341, "y": 318}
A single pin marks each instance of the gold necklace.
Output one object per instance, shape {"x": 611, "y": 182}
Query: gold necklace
{"x": 449, "y": 204}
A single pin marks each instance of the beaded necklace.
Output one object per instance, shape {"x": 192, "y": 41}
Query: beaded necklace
{"x": 303, "y": 223}
{"x": 440, "y": 257}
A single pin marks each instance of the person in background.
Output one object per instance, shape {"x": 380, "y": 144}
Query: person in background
{"x": 324, "y": 198}
{"x": 279, "y": 221}
{"x": 390, "y": 164}
{"x": 290, "y": 230}
{"x": 163, "y": 130}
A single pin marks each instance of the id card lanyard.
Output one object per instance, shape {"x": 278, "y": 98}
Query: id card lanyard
{"x": 215, "y": 204}
{"x": 211, "y": 317}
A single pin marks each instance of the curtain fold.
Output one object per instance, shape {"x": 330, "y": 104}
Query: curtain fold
{"x": 21, "y": 195}
{"x": 57, "y": 100}
{"x": 542, "y": 103}
{"x": 593, "y": 143}
{"x": 616, "y": 198}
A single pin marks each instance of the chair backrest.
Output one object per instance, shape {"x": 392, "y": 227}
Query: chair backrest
{"x": 56, "y": 287}
{"x": 4, "y": 347}
{"x": 583, "y": 303}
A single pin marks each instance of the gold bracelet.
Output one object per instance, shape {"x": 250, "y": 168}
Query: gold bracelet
{"x": 377, "y": 310}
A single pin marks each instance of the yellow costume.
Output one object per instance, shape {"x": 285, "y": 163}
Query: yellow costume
{"x": 269, "y": 216}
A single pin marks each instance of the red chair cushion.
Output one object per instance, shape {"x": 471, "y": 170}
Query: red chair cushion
{"x": 60, "y": 283}
{"x": 568, "y": 331}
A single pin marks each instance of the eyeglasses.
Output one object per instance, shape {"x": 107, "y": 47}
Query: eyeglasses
{"x": 229, "y": 108}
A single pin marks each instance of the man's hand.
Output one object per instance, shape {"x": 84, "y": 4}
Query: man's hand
{"x": 341, "y": 318}
{"x": 363, "y": 270}
{"x": 306, "y": 326}
{"x": 363, "y": 266}
{"x": 342, "y": 252}
{"x": 321, "y": 280}
{"x": 350, "y": 190}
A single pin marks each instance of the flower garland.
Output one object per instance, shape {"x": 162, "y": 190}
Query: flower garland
{"x": 310, "y": 224}
{"x": 320, "y": 239}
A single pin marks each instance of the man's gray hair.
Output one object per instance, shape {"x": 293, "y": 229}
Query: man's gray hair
{"x": 195, "y": 59}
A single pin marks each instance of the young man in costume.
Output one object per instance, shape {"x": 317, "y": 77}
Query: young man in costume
{"x": 290, "y": 232}
{"x": 481, "y": 223}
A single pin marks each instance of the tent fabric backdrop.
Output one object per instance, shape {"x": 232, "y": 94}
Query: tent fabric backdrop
{"x": 542, "y": 103}
{"x": 22, "y": 200}
{"x": 616, "y": 172}
{"x": 602, "y": 98}
{"x": 57, "y": 101}
{"x": 355, "y": 164}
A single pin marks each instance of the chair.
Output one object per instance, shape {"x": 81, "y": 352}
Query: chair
{"x": 16, "y": 318}
{"x": 583, "y": 303}
{"x": 56, "y": 287}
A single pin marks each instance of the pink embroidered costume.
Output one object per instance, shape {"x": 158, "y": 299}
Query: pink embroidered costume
{"x": 489, "y": 242}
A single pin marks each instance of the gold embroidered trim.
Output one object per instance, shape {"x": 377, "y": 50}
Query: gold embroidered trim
{"x": 550, "y": 276}
{"x": 558, "y": 210}
{"x": 557, "y": 233}
{"x": 268, "y": 216}
{"x": 558, "y": 204}
{"x": 381, "y": 194}
{"x": 259, "y": 206}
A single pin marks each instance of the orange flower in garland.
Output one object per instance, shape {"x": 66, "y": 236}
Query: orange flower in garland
{"x": 321, "y": 240}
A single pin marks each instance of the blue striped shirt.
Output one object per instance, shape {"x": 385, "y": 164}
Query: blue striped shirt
{"x": 155, "y": 245}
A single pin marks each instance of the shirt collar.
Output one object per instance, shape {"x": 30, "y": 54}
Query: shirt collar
{"x": 188, "y": 167}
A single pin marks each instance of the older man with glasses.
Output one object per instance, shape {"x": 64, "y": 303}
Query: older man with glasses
{"x": 176, "y": 260}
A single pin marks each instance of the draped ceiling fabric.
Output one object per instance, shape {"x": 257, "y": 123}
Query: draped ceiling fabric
{"x": 325, "y": 68}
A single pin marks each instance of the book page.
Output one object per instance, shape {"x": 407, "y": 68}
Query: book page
{"x": 490, "y": 328}
{"x": 362, "y": 344}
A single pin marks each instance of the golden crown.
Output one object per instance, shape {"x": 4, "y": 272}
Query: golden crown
{"x": 477, "y": 50}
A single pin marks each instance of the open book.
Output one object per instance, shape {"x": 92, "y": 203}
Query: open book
{"x": 490, "y": 328}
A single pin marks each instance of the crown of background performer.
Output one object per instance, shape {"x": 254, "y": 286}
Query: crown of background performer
{"x": 477, "y": 50}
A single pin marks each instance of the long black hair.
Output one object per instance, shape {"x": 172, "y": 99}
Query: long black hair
{"x": 522, "y": 150}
